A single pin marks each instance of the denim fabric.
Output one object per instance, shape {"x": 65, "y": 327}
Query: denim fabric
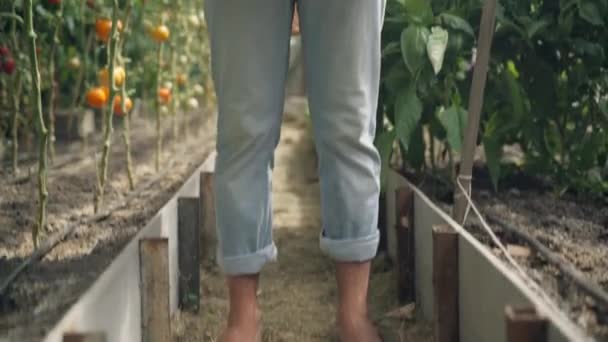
{"x": 250, "y": 54}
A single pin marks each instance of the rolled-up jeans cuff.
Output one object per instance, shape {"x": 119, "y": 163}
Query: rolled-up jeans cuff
{"x": 247, "y": 263}
{"x": 351, "y": 250}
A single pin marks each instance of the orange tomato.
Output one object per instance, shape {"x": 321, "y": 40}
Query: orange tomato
{"x": 119, "y": 76}
{"x": 96, "y": 97}
{"x": 118, "y": 105}
{"x": 160, "y": 33}
{"x": 164, "y": 95}
{"x": 103, "y": 27}
{"x": 106, "y": 91}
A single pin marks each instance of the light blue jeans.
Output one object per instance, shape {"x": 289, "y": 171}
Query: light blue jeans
{"x": 250, "y": 53}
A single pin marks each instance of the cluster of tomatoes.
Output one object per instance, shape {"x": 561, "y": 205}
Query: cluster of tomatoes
{"x": 98, "y": 96}
{"x": 7, "y": 62}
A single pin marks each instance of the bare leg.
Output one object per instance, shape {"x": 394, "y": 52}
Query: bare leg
{"x": 244, "y": 318}
{"x": 353, "y": 321}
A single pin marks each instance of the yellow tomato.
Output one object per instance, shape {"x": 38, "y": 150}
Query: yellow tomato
{"x": 160, "y": 33}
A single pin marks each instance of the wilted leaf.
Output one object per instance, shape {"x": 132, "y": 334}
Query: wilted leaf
{"x": 408, "y": 110}
{"x": 435, "y": 47}
{"x": 413, "y": 47}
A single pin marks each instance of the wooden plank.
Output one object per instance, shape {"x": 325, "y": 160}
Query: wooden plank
{"x": 84, "y": 337}
{"x": 113, "y": 302}
{"x": 405, "y": 232}
{"x": 445, "y": 284}
{"x": 188, "y": 236}
{"x": 207, "y": 216}
{"x": 154, "y": 273}
{"x": 524, "y": 324}
{"x": 486, "y": 284}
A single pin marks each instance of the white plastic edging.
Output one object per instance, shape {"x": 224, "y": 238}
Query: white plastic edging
{"x": 113, "y": 302}
{"x": 486, "y": 284}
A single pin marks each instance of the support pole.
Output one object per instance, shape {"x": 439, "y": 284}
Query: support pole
{"x": 188, "y": 238}
{"x": 207, "y": 216}
{"x": 405, "y": 232}
{"x": 488, "y": 18}
{"x": 445, "y": 284}
{"x": 524, "y": 324}
{"x": 154, "y": 272}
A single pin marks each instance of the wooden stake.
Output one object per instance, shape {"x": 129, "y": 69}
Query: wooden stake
{"x": 445, "y": 284}
{"x": 207, "y": 216}
{"x": 488, "y": 18}
{"x": 84, "y": 337}
{"x": 405, "y": 232}
{"x": 154, "y": 271}
{"x": 524, "y": 324}
{"x": 188, "y": 238}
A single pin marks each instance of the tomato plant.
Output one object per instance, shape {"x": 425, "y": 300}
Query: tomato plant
{"x": 92, "y": 54}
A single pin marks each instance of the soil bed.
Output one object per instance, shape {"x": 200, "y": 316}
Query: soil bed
{"x": 40, "y": 296}
{"x": 574, "y": 227}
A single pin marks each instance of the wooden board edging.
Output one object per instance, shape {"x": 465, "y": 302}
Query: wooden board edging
{"x": 486, "y": 285}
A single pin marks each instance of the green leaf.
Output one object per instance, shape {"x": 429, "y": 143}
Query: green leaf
{"x": 391, "y": 48}
{"x": 535, "y": 27}
{"x": 493, "y": 151}
{"x": 457, "y": 23}
{"x": 408, "y": 110}
{"x": 435, "y": 47}
{"x": 419, "y": 11}
{"x": 413, "y": 47}
{"x": 415, "y": 152}
{"x": 588, "y": 10}
{"x": 603, "y": 104}
{"x": 384, "y": 144}
{"x": 454, "y": 121}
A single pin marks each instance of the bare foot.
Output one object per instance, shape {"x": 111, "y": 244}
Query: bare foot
{"x": 244, "y": 331}
{"x": 357, "y": 329}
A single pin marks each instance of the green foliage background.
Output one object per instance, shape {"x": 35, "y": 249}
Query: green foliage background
{"x": 547, "y": 87}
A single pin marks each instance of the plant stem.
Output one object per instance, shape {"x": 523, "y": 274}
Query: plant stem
{"x": 58, "y": 20}
{"x": 41, "y": 128}
{"x": 103, "y": 162}
{"x": 18, "y": 85}
{"x": 175, "y": 97}
{"x": 159, "y": 138}
{"x": 15, "y": 123}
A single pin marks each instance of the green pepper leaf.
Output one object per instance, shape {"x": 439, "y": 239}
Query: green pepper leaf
{"x": 413, "y": 47}
{"x": 384, "y": 144}
{"x": 454, "y": 121}
{"x": 588, "y": 10}
{"x": 456, "y": 23}
{"x": 408, "y": 111}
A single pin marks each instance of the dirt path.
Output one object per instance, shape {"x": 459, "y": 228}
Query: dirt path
{"x": 298, "y": 292}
